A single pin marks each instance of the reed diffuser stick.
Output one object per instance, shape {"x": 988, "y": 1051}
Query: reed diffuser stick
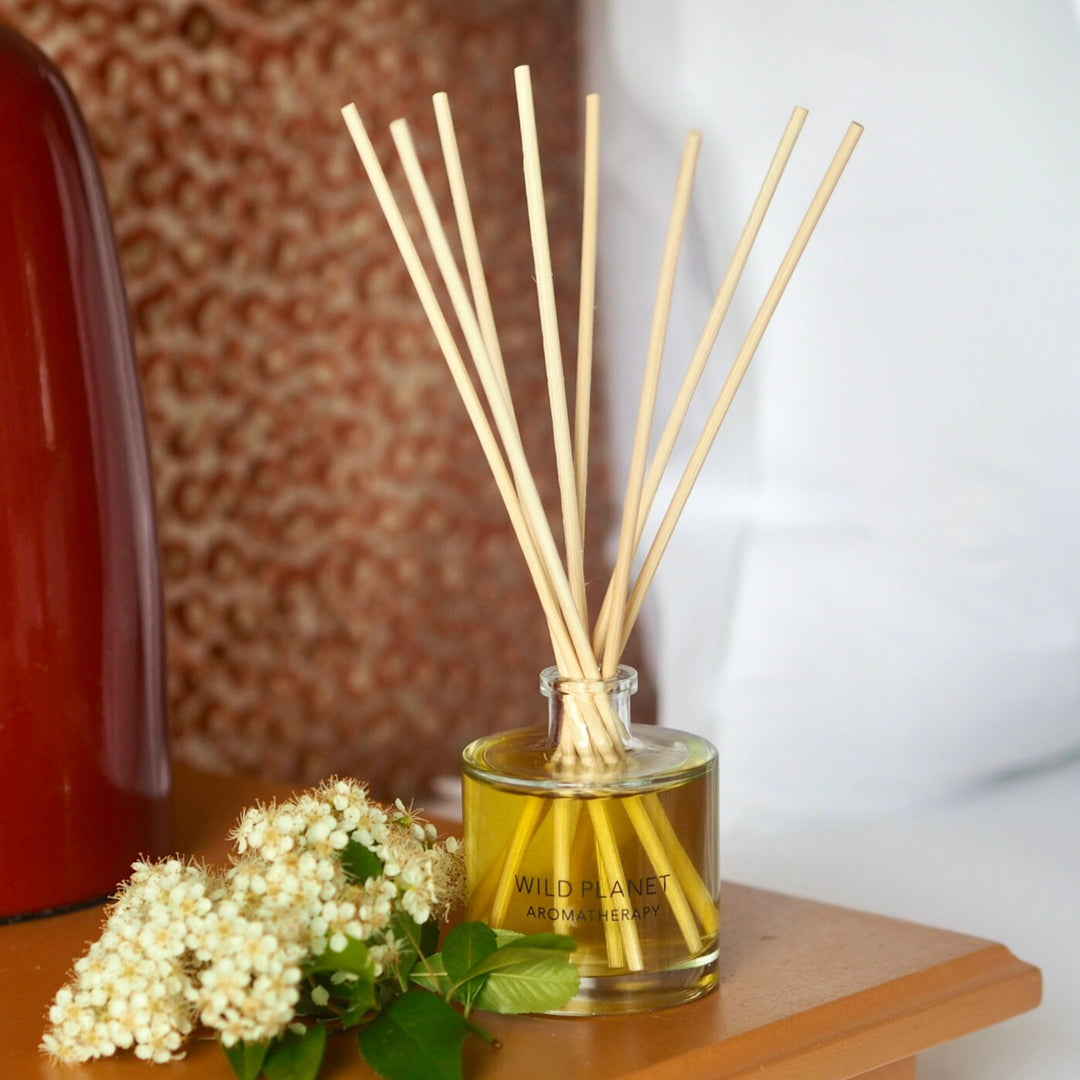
{"x": 523, "y": 831}
{"x": 718, "y": 312}
{"x": 686, "y": 872}
{"x": 565, "y": 813}
{"x": 665, "y": 288}
{"x": 549, "y": 331}
{"x": 587, "y": 303}
{"x": 612, "y": 939}
{"x": 611, "y": 870}
{"x": 601, "y": 727}
{"x": 459, "y": 192}
{"x": 735, "y": 376}
{"x": 658, "y": 856}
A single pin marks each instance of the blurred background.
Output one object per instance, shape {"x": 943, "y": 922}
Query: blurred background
{"x": 343, "y": 590}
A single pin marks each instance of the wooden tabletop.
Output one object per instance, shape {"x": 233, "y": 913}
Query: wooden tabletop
{"x": 808, "y": 991}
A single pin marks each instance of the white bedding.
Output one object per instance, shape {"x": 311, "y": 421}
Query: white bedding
{"x": 872, "y": 602}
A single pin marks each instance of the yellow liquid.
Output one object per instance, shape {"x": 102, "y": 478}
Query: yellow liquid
{"x": 626, "y": 864}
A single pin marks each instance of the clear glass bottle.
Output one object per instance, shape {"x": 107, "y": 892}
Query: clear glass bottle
{"x": 620, "y": 853}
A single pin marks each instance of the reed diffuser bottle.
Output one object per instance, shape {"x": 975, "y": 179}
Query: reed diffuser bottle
{"x": 594, "y": 827}
{"x": 621, "y": 855}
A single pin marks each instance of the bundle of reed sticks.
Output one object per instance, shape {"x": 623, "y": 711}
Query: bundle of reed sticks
{"x": 592, "y": 742}
{"x": 591, "y": 739}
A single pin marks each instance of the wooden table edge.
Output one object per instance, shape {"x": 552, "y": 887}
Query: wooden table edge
{"x": 860, "y": 1034}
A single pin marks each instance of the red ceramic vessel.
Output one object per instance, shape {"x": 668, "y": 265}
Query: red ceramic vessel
{"x": 84, "y": 761}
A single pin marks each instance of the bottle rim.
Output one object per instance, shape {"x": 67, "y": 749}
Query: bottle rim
{"x": 554, "y": 684}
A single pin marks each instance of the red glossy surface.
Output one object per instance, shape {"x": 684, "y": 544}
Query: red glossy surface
{"x": 84, "y": 766}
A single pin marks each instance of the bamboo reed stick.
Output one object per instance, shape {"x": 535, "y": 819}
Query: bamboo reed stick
{"x": 735, "y": 376}
{"x": 475, "y": 268}
{"x": 482, "y": 893}
{"x": 613, "y": 944}
{"x": 650, "y": 841}
{"x": 549, "y": 332}
{"x": 587, "y": 303}
{"x": 604, "y": 736}
{"x": 665, "y": 288}
{"x": 608, "y": 853}
{"x": 564, "y": 822}
{"x": 459, "y": 192}
{"x": 701, "y": 900}
{"x": 527, "y": 823}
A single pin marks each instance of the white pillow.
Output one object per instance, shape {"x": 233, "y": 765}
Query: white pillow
{"x": 873, "y": 600}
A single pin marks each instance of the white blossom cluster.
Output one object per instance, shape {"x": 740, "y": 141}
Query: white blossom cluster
{"x": 185, "y": 945}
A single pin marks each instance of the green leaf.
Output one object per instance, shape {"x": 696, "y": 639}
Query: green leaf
{"x": 354, "y": 957}
{"x": 512, "y": 955}
{"x": 545, "y": 941}
{"x": 465, "y": 946}
{"x": 429, "y": 937}
{"x": 540, "y": 980}
{"x": 416, "y": 1037}
{"x": 359, "y": 863}
{"x": 246, "y": 1059}
{"x": 297, "y": 1057}
{"x": 431, "y": 975}
{"x": 505, "y": 937}
{"x": 361, "y": 1000}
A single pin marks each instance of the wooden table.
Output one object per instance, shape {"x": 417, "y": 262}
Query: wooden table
{"x": 808, "y": 992}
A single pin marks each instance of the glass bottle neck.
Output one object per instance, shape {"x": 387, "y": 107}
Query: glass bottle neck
{"x": 588, "y": 719}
